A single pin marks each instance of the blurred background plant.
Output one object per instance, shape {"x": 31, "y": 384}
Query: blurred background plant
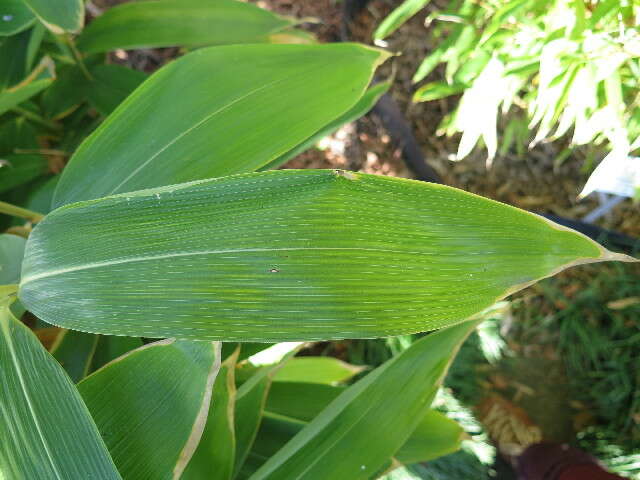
{"x": 554, "y": 67}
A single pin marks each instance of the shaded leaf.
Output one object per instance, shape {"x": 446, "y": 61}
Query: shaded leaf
{"x": 39, "y": 79}
{"x": 111, "y": 85}
{"x": 74, "y": 351}
{"x": 15, "y": 16}
{"x": 288, "y": 255}
{"x": 11, "y": 254}
{"x": 436, "y": 91}
{"x": 18, "y": 169}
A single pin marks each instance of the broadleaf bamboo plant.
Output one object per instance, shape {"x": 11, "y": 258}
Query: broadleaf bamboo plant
{"x": 166, "y": 263}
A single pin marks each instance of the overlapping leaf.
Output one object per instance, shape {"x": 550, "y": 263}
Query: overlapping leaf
{"x": 240, "y": 107}
{"x": 369, "y": 420}
{"x": 151, "y": 405}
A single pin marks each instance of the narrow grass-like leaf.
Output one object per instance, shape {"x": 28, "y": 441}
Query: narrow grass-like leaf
{"x": 316, "y": 370}
{"x": 241, "y": 106}
{"x": 15, "y": 16}
{"x": 288, "y": 255}
{"x": 165, "y": 23}
{"x": 60, "y": 15}
{"x": 151, "y": 404}
{"x": 369, "y": 420}
{"x": 45, "y": 429}
{"x": 398, "y": 17}
{"x": 215, "y": 456}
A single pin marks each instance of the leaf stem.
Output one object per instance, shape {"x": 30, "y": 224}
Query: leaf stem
{"x": 15, "y": 211}
{"x": 36, "y": 118}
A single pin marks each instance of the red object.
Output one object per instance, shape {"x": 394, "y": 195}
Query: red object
{"x": 551, "y": 461}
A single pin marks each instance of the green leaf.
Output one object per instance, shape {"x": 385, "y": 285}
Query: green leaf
{"x": 40, "y": 78}
{"x": 65, "y": 94}
{"x": 59, "y": 16}
{"x": 435, "y": 436}
{"x": 151, "y": 404}
{"x": 437, "y": 90}
{"x": 15, "y": 16}
{"x": 398, "y": 17}
{"x": 13, "y": 58}
{"x": 165, "y": 23}
{"x": 288, "y": 255}
{"x": 240, "y": 107}
{"x": 74, "y": 351}
{"x": 45, "y": 429}
{"x": 111, "y": 85}
{"x": 111, "y": 347}
{"x": 316, "y": 370}
{"x": 18, "y": 169}
{"x": 369, "y": 420}
{"x": 214, "y": 458}
{"x": 11, "y": 254}
{"x": 366, "y": 103}
{"x": 300, "y": 401}
{"x": 250, "y": 401}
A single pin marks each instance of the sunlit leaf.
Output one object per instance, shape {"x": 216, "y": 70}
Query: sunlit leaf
{"x": 316, "y": 370}
{"x": 288, "y": 255}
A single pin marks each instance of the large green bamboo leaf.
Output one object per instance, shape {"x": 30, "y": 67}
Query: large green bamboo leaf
{"x": 214, "y": 458}
{"x": 287, "y": 255}
{"x": 164, "y": 23}
{"x": 45, "y": 429}
{"x": 151, "y": 405}
{"x": 60, "y": 15}
{"x": 240, "y": 107}
{"x": 369, "y": 420}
